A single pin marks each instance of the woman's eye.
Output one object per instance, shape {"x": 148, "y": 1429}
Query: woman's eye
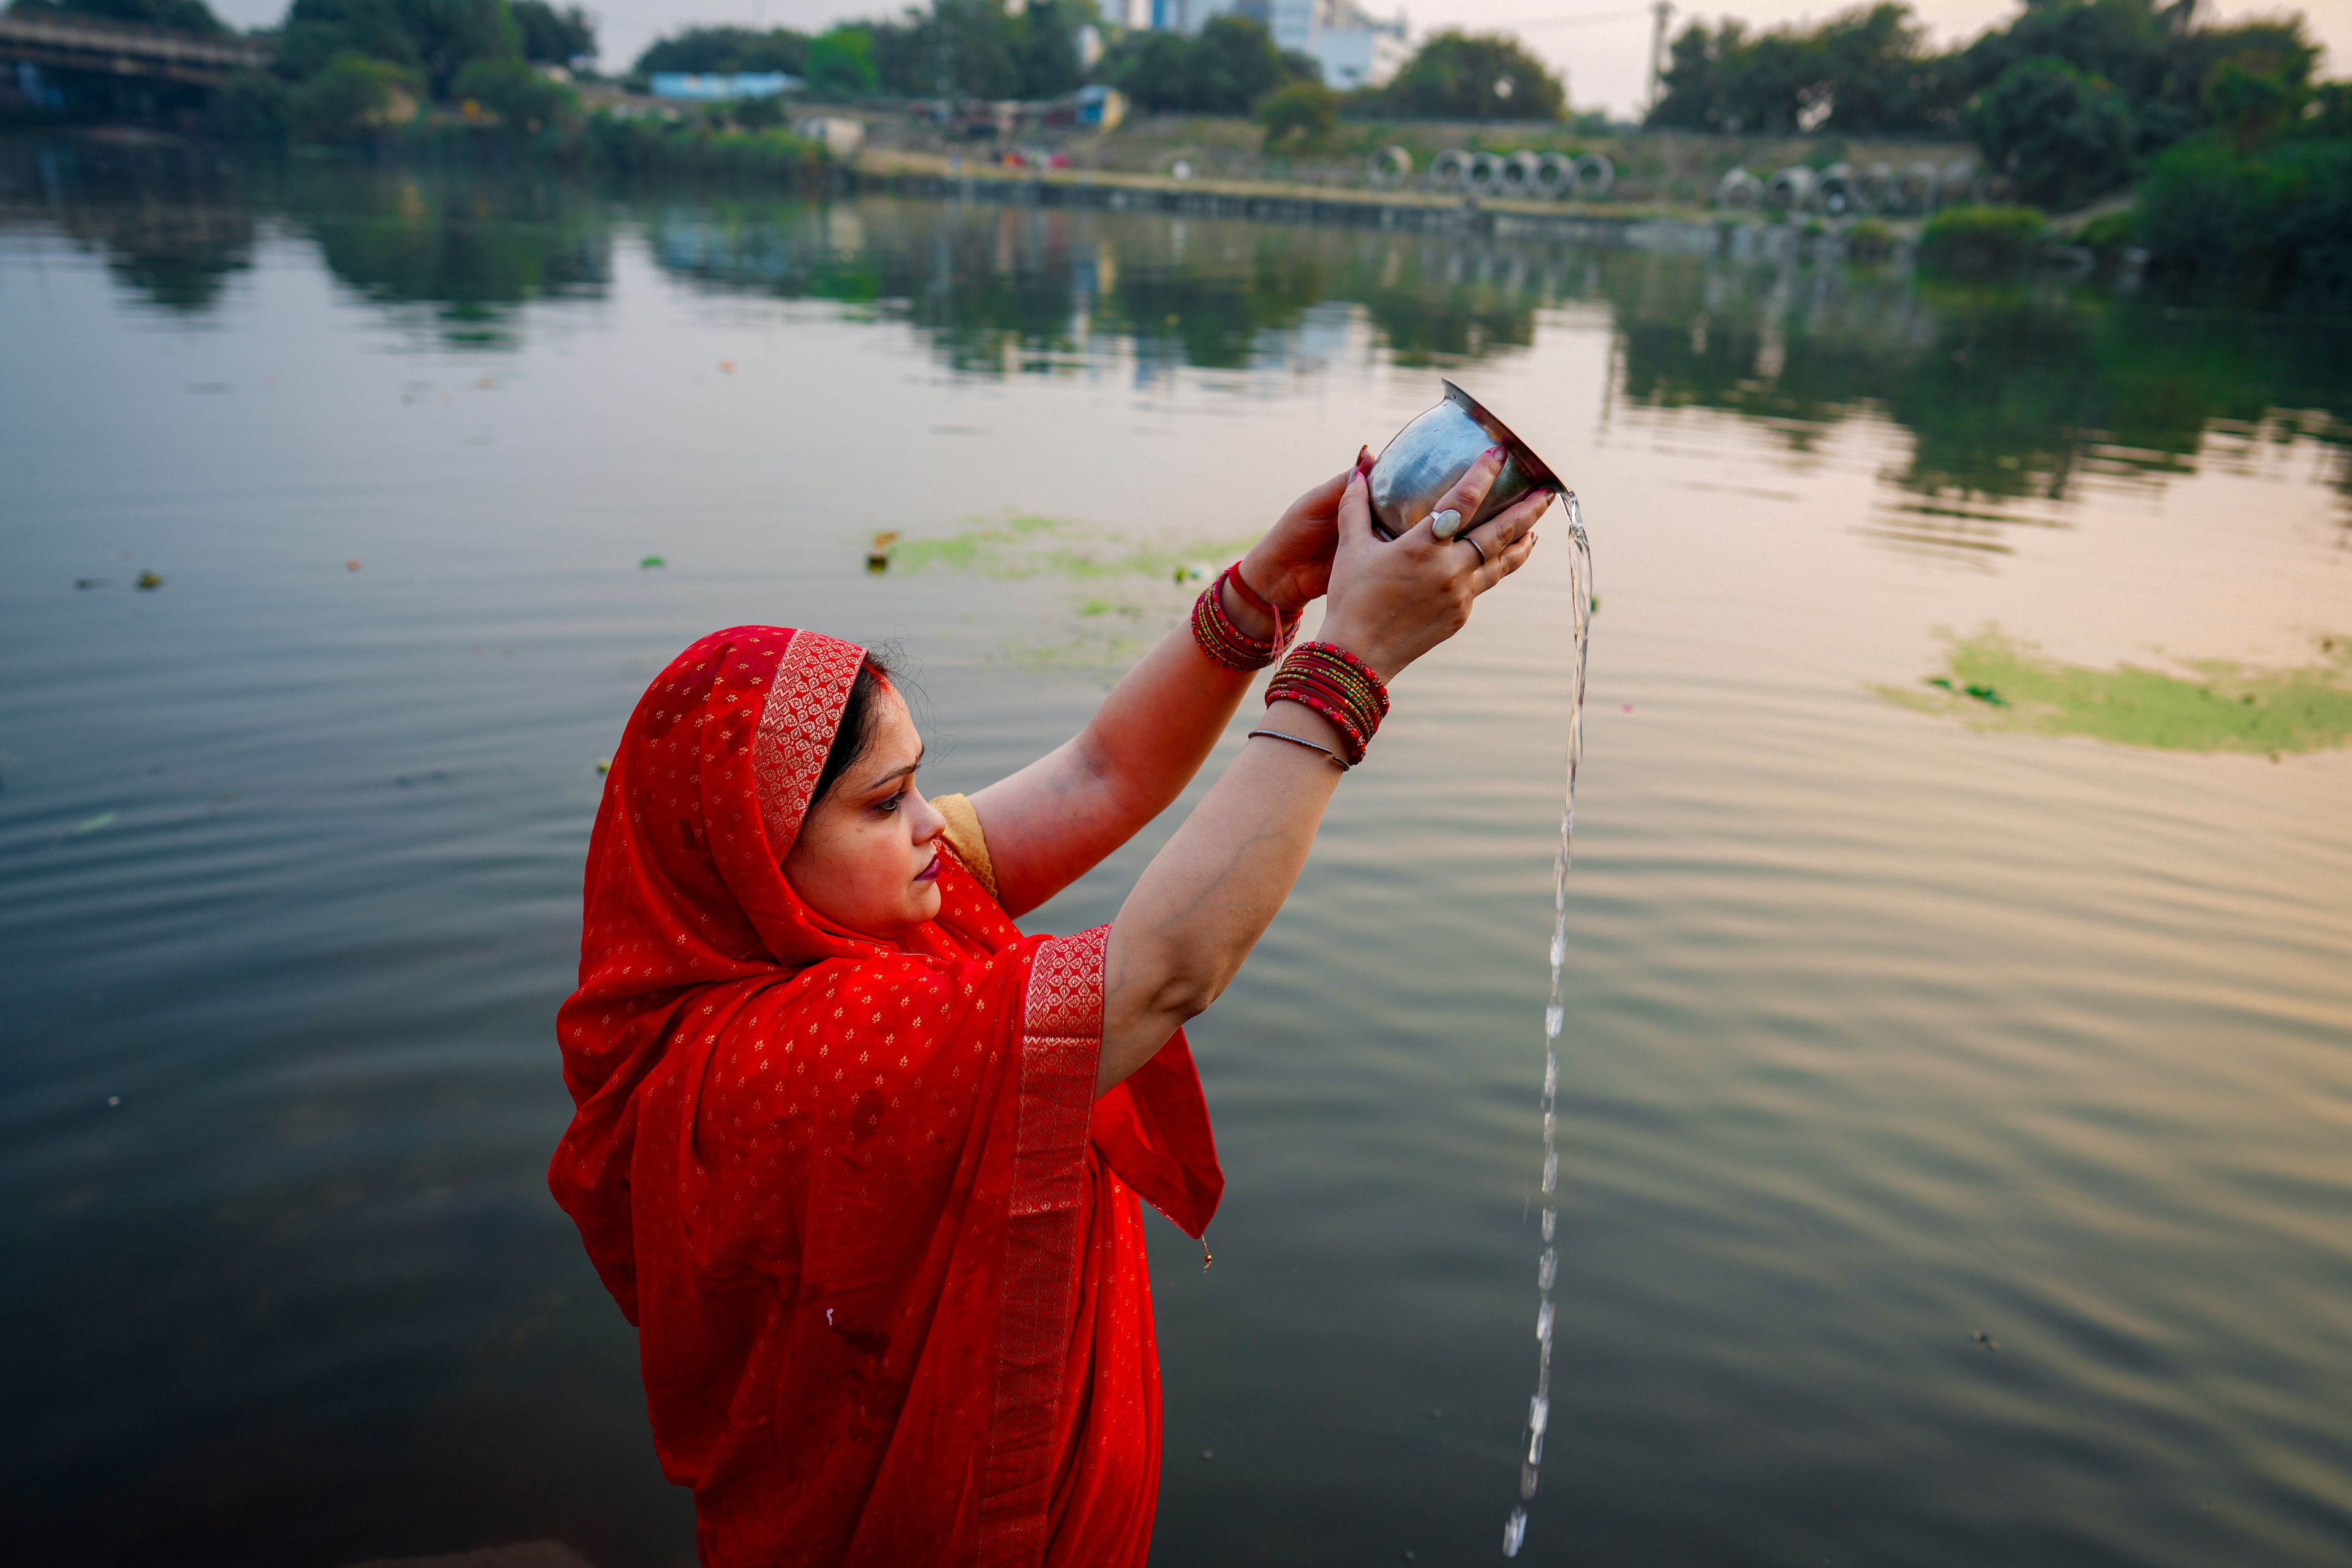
{"x": 891, "y": 803}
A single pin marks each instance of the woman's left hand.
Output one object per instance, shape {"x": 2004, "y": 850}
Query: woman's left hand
{"x": 1291, "y": 566}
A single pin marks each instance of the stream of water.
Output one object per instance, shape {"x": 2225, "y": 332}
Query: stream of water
{"x": 1582, "y": 604}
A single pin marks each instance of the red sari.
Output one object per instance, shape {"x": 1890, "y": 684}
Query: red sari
{"x": 880, "y": 1240}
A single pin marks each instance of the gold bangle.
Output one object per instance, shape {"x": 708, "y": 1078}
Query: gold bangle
{"x": 1338, "y": 761}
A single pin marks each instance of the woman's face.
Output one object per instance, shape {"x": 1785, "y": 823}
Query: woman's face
{"x": 867, "y": 856}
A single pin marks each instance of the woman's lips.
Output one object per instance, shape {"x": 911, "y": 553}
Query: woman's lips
{"x": 929, "y": 873}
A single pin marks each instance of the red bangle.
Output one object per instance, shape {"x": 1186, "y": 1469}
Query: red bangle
{"x": 1226, "y": 643}
{"x": 1332, "y": 653}
{"x": 1339, "y": 686}
{"x": 1351, "y": 738}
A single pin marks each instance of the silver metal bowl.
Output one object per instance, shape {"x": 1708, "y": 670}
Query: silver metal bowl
{"x": 1422, "y": 461}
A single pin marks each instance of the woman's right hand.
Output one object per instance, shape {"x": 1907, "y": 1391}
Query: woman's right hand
{"x": 1393, "y": 600}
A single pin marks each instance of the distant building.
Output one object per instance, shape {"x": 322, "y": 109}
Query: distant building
{"x": 721, "y": 89}
{"x": 1353, "y": 48}
{"x": 842, "y": 135}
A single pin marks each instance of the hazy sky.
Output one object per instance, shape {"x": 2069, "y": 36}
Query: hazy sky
{"x": 1603, "y": 44}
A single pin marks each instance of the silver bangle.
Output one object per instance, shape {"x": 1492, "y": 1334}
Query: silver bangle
{"x": 1338, "y": 761}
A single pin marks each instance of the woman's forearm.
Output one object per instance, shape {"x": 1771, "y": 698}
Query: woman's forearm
{"x": 1057, "y": 818}
{"x": 1204, "y": 900}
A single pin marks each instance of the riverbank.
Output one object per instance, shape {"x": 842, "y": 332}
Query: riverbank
{"x": 1645, "y": 227}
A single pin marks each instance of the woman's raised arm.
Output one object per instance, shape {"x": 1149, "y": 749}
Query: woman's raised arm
{"x": 1209, "y": 895}
{"x": 1055, "y": 819}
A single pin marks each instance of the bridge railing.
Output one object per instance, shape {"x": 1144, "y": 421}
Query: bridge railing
{"x": 124, "y": 48}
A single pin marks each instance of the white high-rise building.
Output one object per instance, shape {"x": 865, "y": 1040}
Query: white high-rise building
{"x": 1354, "y": 48}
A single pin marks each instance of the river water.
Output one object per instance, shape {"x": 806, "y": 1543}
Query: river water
{"x": 1955, "y": 1118}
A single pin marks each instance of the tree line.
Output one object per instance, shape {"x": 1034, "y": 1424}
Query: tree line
{"x": 2069, "y": 100}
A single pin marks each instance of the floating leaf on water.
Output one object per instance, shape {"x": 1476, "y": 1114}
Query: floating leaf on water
{"x": 149, "y": 580}
{"x": 1983, "y": 693}
{"x": 603, "y": 764}
{"x": 651, "y": 561}
{"x": 92, "y": 824}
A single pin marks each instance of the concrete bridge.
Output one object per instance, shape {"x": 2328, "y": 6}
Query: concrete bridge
{"x": 89, "y": 46}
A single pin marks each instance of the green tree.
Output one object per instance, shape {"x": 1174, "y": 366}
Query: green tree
{"x": 704, "y": 51}
{"x": 1463, "y": 76}
{"x": 1303, "y": 114}
{"x": 524, "y": 101}
{"x": 1154, "y": 69}
{"x": 434, "y": 38}
{"x": 2248, "y": 104}
{"x": 1235, "y": 64}
{"x": 841, "y": 63}
{"x": 1864, "y": 71}
{"x": 554, "y": 38}
{"x": 2062, "y": 137}
{"x": 1047, "y": 46}
{"x": 354, "y": 99}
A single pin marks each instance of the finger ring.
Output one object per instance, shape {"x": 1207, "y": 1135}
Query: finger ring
{"x": 1445, "y": 523}
{"x": 1474, "y": 545}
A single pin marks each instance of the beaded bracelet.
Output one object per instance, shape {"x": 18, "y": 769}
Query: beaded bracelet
{"x": 1339, "y": 686}
{"x": 1338, "y": 667}
{"x": 1226, "y": 643}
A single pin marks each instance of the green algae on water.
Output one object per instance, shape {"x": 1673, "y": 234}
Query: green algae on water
{"x": 1021, "y": 547}
{"x": 1993, "y": 681}
{"x": 1120, "y": 590}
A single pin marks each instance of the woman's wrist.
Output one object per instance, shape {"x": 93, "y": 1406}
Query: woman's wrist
{"x": 1273, "y": 590}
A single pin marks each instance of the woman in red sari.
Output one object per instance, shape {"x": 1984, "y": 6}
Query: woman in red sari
{"x": 859, "y": 1159}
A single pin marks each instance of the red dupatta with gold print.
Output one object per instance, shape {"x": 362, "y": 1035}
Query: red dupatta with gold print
{"x": 880, "y": 1241}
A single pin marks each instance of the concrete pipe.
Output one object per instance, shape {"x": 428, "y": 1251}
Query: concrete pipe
{"x": 1519, "y": 172}
{"x": 1875, "y": 188}
{"x": 1915, "y": 188}
{"x": 1556, "y": 175}
{"x": 1485, "y": 172}
{"x": 1739, "y": 191}
{"x": 1596, "y": 176}
{"x": 1791, "y": 189}
{"x": 1450, "y": 170}
{"x": 1839, "y": 191}
{"x": 1389, "y": 168}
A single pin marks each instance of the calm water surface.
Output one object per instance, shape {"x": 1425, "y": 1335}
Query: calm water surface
{"x": 1885, "y": 1033}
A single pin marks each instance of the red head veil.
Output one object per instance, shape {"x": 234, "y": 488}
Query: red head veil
{"x": 879, "y": 1239}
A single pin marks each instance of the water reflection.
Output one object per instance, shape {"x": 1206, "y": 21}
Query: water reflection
{"x": 2013, "y": 396}
{"x": 469, "y": 249}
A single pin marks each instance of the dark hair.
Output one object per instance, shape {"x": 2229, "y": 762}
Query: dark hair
{"x": 859, "y": 716}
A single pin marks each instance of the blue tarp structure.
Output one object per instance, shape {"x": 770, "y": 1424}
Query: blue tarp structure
{"x": 721, "y": 89}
